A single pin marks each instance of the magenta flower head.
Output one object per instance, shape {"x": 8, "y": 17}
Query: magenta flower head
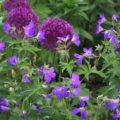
{"x": 3, "y": 105}
{"x": 13, "y": 60}
{"x": 54, "y": 28}
{"x": 75, "y": 80}
{"x": 48, "y": 73}
{"x": 79, "y": 58}
{"x": 2, "y": 46}
{"x": 60, "y": 92}
{"x": 18, "y": 19}
{"x": 8, "y": 5}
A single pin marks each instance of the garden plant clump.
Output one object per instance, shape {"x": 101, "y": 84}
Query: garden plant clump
{"x": 47, "y": 73}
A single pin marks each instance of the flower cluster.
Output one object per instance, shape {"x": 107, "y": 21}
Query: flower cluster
{"x": 112, "y": 105}
{"x": 53, "y": 28}
{"x": 48, "y": 73}
{"x": 11, "y": 4}
{"x": 100, "y": 22}
{"x": 18, "y": 18}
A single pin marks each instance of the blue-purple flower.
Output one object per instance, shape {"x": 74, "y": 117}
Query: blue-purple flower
{"x": 25, "y": 78}
{"x": 2, "y": 46}
{"x": 3, "y": 105}
{"x": 118, "y": 88}
{"x": 48, "y": 73}
{"x": 29, "y": 30}
{"x": 60, "y": 92}
{"x": 36, "y": 108}
{"x": 79, "y": 58}
{"x": 83, "y": 100}
{"x": 76, "y": 92}
{"x": 13, "y": 60}
{"x": 6, "y": 28}
{"x": 80, "y": 110}
{"x": 76, "y": 40}
{"x": 41, "y": 36}
{"x": 102, "y": 19}
{"x": 115, "y": 17}
{"x": 88, "y": 52}
{"x": 75, "y": 80}
{"x": 99, "y": 29}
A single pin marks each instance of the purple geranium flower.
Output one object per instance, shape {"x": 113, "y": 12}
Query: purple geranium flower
{"x": 76, "y": 92}
{"x": 76, "y": 40}
{"x": 83, "y": 100}
{"x": 13, "y": 60}
{"x": 2, "y": 46}
{"x": 79, "y": 58}
{"x": 118, "y": 48}
{"x": 118, "y": 88}
{"x": 114, "y": 41}
{"x": 113, "y": 104}
{"x": 6, "y": 28}
{"x": 36, "y": 108}
{"x": 75, "y": 80}
{"x": 3, "y": 105}
{"x": 75, "y": 111}
{"x": 98, "y": 29}
{"x": 102, "y": 19}
{"x": 25, "y": 79}
{"x": 88, "y": 52}
{"x": 29, "y": 30}
{"x": 60, "y": 92}
{"x": 48, "y": 73}
{"x": 115, "y": 17}
{"x": 47, "y": 96}
{"x": 41, "y": 36}
{"x": 83, "y": 114}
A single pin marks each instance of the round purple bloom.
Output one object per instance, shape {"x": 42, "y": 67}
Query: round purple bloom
{"x": 60, "y": 92}
{"x": 53, "y": 28}
{"x": 13, "y": 60}
{"x": 75, "y": 80}
{"x": 2, "y": 46}
{"x": 19, "y": 18}
{"x": 8, "y": 5}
